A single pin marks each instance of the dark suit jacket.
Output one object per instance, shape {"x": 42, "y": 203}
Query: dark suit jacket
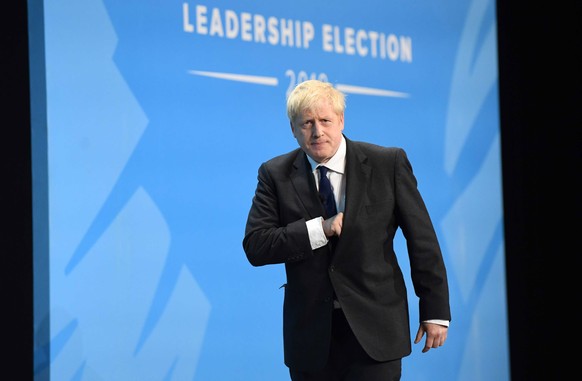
{"x": 381, "y": 196}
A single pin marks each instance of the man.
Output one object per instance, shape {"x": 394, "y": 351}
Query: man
{"x": 345, "y": 313}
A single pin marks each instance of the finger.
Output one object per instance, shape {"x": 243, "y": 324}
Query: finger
{"x": 419, "y": 335}
{"x": 433, "y": 342}
{"x": 337, "y": 224}
{"x": 429, "y": 343}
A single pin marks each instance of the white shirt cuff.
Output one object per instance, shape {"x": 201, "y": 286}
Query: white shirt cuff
{"x": 317, "y": 237}
{"x": 438, "y": 321}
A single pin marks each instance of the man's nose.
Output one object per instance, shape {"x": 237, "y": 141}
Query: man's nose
{"x": 316, "y": 130}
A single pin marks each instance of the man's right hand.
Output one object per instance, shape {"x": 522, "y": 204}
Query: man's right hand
{"x": 333, "y": 226}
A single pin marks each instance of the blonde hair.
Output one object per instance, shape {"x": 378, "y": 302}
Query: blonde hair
{"x": 306, "y": 96}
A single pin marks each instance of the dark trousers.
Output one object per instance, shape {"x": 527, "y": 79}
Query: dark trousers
{"x": 348, "y": 361}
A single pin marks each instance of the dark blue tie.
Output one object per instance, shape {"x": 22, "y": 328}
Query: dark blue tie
{"x": 326, "y": 193}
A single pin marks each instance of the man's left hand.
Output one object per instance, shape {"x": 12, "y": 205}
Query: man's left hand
{"x": 436, "y": 335}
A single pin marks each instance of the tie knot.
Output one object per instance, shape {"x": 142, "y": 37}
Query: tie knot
{"x": 322, "y": 170}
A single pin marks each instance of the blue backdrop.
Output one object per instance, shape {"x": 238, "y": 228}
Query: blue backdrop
{"x": 157, "y": 116}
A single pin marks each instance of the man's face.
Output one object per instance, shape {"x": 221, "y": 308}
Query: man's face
{"x": 319, "y": 131}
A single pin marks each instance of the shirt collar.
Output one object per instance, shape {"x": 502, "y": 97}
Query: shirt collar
{"x": 337, "y": 163}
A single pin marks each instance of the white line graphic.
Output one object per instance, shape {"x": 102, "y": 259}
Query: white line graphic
{"x": 370, "y": 91}
{"x": 272, "y": 81}
{"x": 268, "y": 81}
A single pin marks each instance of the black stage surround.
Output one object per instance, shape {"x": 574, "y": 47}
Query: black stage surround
{"x": 540, "y": 115}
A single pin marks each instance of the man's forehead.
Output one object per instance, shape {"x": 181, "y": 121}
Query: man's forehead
{"x": 321, "y": 110}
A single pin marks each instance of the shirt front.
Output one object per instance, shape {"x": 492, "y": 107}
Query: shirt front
{"x": 336, "y": 175}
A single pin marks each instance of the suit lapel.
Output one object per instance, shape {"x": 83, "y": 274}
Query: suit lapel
{"x": 357, "y": 178}
{"x": 304, "y": 184}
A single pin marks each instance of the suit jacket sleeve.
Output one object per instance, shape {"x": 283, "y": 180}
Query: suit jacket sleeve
{"x": 274, "y": 233}
{"x": 428, "y": 272}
